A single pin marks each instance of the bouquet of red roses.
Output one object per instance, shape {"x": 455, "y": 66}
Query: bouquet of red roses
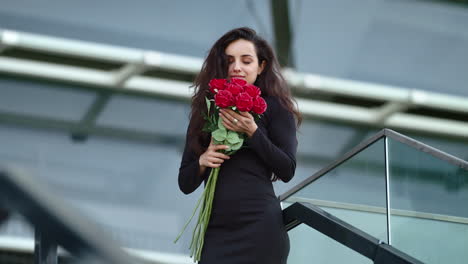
{"x": 237, "y": 95}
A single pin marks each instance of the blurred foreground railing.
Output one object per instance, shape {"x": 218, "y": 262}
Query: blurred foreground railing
{"x": 55, "y": 223}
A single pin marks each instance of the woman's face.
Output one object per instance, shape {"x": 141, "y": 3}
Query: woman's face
{"x": 243, "y": 61}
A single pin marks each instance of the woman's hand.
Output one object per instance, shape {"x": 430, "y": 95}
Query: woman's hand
{"x": 212, "y": 158}
{"x": 242, "y": 122}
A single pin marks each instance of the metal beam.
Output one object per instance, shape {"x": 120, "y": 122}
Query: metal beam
{"x": 340, "y": 113}
{"x": 92, "y": 114}
{"x": 97, "y": 51}
{"x": 95, "y": 79}
{"x": 306, "y": 83}
{"x": 80, "y": 133}
{"x": 126, "y": 72}
{"x": 282, "y": 29}
{"x": 128, "y": 81}
{"x": 387, "y": 110}
{"x": 313, "y": 83}
{"x": 104, "y": 131}
{"x": 63, "y": 46}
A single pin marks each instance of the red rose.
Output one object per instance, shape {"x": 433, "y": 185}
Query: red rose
{"x": 224, "y": 99}
{"x": 259, "y": 105}
{"x": 234, "y": 88}
{"x": 252, "y": 90}
{"x": 244, "y": 102}
{"x": 238, "y": 81}
{"x": 217, "y": 85}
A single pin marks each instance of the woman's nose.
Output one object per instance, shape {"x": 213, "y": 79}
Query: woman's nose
{"x": 236, "y": 67}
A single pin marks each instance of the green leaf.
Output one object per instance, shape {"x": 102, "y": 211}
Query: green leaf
{"x": 233, "y": 137}
{"x": 210, "y": 124}
{"x": 238, "y": 145}
{"x": 220, "y": 124}
{"x": 208, "y": 105}
{"x": 216, "y": 142}
{"x": 213, "y": 118}
{"x": 225, "y": 151}
{"x": 219, "y": 134}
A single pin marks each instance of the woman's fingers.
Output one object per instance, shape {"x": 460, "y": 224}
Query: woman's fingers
{"x": 215, "y": 160}
{"x": 228, "y": 126}
{"x": 220, "y": 147}
{"x": 216, "y": 147}
{"x": 220, "y": 155}
{"x": 228, "y": 122}
{"x": 225, "y": 113}
{"x": 246, "y": 114}
{"x": 214, "y": 165}
{"x": 230, "y": 115}
{"x": 212, "y": 162}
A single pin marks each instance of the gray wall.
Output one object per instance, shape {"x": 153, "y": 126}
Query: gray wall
{"x": 408, "y": 43}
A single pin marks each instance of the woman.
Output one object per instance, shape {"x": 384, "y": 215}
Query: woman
{"x": 246, "y": 224}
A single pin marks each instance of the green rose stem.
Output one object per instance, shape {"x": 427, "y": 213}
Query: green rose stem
{"x": 198, "y": 235}
{"x": 207, "y": 213}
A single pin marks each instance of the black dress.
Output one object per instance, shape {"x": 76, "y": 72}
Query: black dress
{"x": 246, "y": 224}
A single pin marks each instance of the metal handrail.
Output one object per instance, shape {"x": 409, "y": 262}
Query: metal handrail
{"x": 361, "y": 242}
{"x": 365, "y": 144}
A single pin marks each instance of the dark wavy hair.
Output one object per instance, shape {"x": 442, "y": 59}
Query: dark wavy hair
{"x": 270, "y": 81}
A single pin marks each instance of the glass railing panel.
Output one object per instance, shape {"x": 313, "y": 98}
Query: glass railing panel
{"x": 307, "y": 245}
{"x": 355, "y": 188}
{"x": 428, "y": 197}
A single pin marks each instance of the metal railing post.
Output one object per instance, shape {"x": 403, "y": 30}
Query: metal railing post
{"x": 387, "y": 191}
{"x": 45, "y": 250}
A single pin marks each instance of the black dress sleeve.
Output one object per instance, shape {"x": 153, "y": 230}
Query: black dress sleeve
{"x": 189, "y": 180}
{"x": 277, "y": 147}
